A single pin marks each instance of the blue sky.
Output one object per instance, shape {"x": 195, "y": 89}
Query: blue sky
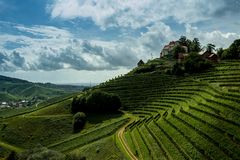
{"x": 74, "y": 41}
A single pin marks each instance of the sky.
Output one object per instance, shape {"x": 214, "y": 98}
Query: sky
{"x": 83, "y": 41}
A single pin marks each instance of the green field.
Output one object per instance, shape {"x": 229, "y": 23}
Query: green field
{"x": 195, "y": 116}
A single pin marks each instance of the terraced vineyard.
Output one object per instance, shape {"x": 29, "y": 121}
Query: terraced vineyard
{"x": 190, "y": 117}
{"x": 50, "y": 125}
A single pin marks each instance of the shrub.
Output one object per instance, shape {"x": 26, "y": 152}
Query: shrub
{"x": 79, "y": 120}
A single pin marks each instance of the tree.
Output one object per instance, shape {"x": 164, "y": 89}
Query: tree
{"x": 140, "y": 63}
{"x": 183, "y": 40}
{"x": 195, "y": 46}
{"x": 188, "y": 44}
{"x": 96, "y": 102}
{"x": 220, "y": 52}
{"x": 195, "y": 63}
{"x": 78, "y": 104}
{"x": 233, "y": 52}
{"x": 176, "y": 50}
{"x": 74, "y": 105}
{"x": 79, "y": 120}
{"x": 99, "y": 101}
{"x": 210, "y": 48}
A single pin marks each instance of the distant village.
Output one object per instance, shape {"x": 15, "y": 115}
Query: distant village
{"x": 19, "y": 103}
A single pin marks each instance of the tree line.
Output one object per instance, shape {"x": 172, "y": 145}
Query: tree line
{"x": 93, "y": 102}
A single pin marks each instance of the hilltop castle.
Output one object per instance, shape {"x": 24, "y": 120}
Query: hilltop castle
{"x": 169, "y": 50}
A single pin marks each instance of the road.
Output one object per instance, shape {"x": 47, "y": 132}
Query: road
{"x": 125, "y": 146}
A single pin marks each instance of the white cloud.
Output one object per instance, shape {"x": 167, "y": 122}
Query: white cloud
{"x": 135, "y": 13}
{"x": 51, "y": 48}
{"x": 220, "y": 39}
{"x": 155, "y": 38}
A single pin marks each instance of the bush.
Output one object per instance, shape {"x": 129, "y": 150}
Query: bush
{"x": 79, "y": 120}
{"x": 96, "y": 102}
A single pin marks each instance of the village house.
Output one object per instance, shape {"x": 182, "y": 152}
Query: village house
{"x": 3, "y": 105}
{"x": 213, "y": 57}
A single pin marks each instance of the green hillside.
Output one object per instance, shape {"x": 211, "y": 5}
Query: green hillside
{"x": 50, "y": 124}
{"x": 190, "y": 117}
{"x": 196, "y": 116}
{"x": 12, "y": 89}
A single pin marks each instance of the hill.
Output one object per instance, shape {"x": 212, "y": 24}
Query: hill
{"x": 13, "y": 89}
{"x": 195, "y": 116}
{"x": 190, "y": 117}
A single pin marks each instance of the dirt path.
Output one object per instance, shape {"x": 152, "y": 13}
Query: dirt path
{"x": 123, "y": 142}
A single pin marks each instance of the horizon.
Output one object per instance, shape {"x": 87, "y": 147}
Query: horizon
{"x": 89, "y": 41}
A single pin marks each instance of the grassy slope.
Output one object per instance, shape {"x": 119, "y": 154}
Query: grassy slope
{"x": 14, "y": 89}
{"x": 7, "y": 97}
{"x": 102, "y": 149}
{"x": 195, "y": 116}
{"x": 51, "y": 126}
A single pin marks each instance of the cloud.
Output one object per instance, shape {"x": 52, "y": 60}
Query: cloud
{"x": 230, "y": 8}
{"x": 220, "y": 39}
{"x": 157, "y": 35}
{"x": 50, "y": 48}
{"x": 135, "y": 13}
